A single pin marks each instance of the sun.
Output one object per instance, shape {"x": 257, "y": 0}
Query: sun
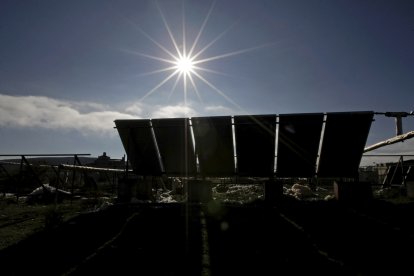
{"x": 185, "y": 65}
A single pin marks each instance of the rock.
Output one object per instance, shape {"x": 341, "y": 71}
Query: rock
{"x": 46, "y": 194}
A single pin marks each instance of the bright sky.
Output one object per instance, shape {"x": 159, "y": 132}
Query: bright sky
{"x": 68, "y": 69}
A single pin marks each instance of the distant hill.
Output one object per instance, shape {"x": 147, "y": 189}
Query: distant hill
{"x": 54, "y": 160}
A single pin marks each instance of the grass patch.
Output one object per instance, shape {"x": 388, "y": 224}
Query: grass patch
{"x": 20, "y": 220}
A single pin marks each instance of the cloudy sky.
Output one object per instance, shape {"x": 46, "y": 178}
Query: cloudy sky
{"x": 68, "y": 69}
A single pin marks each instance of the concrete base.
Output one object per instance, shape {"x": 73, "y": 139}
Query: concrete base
{"x": 199, "y": 191}
{"x": 125, "y": 190}
{"x": 134, "y": 188}
{"x": 273, "y": 191}
{"x": 143, "y": 189}
{"x": 410, "y": 189}
{"x": 353, "y": 192}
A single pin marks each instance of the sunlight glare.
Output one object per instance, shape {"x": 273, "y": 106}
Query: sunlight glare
{"x": 185, "y": 65}
{"x": 185, "y": 62}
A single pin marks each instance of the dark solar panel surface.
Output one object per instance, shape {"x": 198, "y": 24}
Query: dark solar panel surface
{"x": 167, "y": 146}
{"x": 299, "y": 136}
{"x": 139, "y": 144}
{"x": 175, "y": 145}
{"x": 214, "y": 145}
{"x": 343, "y": 143}
{"x": 255, "y": 144}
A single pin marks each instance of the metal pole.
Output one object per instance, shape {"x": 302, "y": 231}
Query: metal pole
{"x": 57, "y": 187}
{"x": 73, "y": 181}
{"x": 398, "y": 125}
{"x": 402, "y": 171}
{"x": 20, "y": 178}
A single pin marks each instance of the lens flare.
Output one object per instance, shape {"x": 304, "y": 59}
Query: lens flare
{"x": 184, "y": 62}
{"x": 185, "y": 65}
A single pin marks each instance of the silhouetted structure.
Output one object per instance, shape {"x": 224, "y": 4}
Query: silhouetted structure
{"x": 225, "y": 146}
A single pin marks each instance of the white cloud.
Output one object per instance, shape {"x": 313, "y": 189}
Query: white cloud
{"x": 87, "y": 117}
{"x": 173, "y": 111}
{"x": 85, "y": 107}
{"x": 44, "y": 112}
{"x": 218, "y": 110}
{"x": 136, "y": 108}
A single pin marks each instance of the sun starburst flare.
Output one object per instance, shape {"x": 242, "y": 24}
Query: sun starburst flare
{"x": 185, "y": 64}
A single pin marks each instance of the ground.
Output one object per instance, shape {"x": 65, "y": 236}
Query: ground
{"x": 289, "y": 237}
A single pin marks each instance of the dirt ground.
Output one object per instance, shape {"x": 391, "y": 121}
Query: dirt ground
{"x": 288, "y": 237}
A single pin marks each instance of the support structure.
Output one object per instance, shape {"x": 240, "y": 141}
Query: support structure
{"x": 25, "y": 165}
{"x": 270, "y": 146}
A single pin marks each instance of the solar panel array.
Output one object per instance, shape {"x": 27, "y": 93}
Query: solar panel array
{"x": 286, "y": 145}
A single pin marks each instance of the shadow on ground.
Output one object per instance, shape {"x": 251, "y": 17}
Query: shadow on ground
{"x": 290, "y": 238}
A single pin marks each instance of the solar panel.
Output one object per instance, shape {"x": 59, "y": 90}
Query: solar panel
{"x": 175, "y": 144}
{"x": 214, "y": 145}
{"x": 167, "y": 146}
{"x": 343, "y": 143}
{"x": 255, "y": 144}
{"x": 138, "y": 140}
{"x": 298, "y": 144}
